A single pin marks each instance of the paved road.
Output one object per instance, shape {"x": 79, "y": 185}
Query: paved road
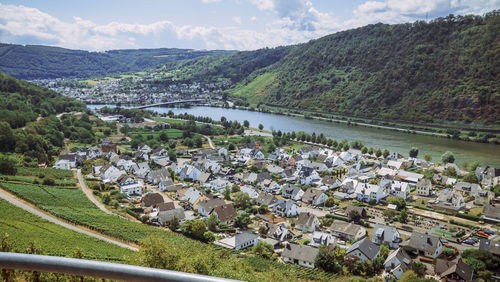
{"x": 11, "y": 199}
{"x": 89, "y": 194}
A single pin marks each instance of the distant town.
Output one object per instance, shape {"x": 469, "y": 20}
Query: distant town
{"x": 137, "y": 89}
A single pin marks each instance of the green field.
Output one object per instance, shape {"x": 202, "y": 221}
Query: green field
{"x": 172, "y": 133}
{"x": 58, "y": 173}
{"x": 25, "y": 228}
{"x": 72, "y": 205}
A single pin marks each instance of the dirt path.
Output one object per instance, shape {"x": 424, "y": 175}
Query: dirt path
{"x": 89, "y": 194}
{"x": 17, "y": 202}
{"x": 209, "y": 142}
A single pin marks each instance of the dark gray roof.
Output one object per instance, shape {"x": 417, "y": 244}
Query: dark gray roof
{"x": 424, "y": 242}
{"x": 209, "y": 205}
{"x": 343, "y": 227}
{"x": 492, "y": 211}
{"x": 365, "y": 246}
{"x": 402, "y": 256}
{"x": 166, "y": 216}
{"x": 300, "y": 252}
{"x": 306, "y": 219}
{"x": 266, "y": 199}
{"x": 445, "y": 268}
{"x": 151, "y": 199}
{"x": 244, "y": 237}
{"x": 490, "y": 246}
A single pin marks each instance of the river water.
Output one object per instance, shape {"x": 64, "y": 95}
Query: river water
{"x": 394, "y": 141}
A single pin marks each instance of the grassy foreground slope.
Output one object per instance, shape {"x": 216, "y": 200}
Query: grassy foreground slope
{"x": 177, "y": 252}
{"x": 25, "y": 229}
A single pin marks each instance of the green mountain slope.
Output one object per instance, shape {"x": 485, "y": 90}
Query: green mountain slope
{"x": 38, "y": 62}
{"x": 446, "y": 69}
{"x": 28, "y": 124}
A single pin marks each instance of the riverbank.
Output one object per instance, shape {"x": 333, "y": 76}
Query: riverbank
{"x": 457, "y": 131}
{"x": 400, "y": 141}
{"x": 479, "y": 135}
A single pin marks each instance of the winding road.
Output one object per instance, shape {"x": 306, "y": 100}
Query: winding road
{"x": 13, "y": 200}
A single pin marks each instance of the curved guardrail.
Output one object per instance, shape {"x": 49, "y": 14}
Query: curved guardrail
{"x": 97, "y": 269}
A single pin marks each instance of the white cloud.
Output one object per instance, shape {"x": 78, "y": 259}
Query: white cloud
{"x": 237, "y": 20}
{"x": 210, "y": 1}
{"x": 397, "y": 11}
{"x": 296, "y": 21}
{"x": 263, "y": 5}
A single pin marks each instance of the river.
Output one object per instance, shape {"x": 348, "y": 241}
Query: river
{"x": 486, "y": 154}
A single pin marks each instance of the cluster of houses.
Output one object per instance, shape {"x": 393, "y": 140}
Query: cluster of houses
{"x": 293, "y": 185}
{"x": 114, "y": 92}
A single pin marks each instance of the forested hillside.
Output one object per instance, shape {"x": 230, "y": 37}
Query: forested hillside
{"x": 37, "y": 62}
{"x": 445, "y": 69}
{"x": 28, "y": 122}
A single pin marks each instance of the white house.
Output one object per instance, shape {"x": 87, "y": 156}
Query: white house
{"x": 314, "y": 197}
{"x": 396, "y": 188}
{"x": 191, "y": 195}
{"x": 397, "y": 263}
{"x": 286, "y": 208}
{"x": 130, "y": 186}
{"x": 110, "y": 173}
{"x": 448, "y": 200}
{"x": 365, "y": 250}
{"x": 292, "y": 192}
{"x": 238, "y": 241}
{"x": 424, "y": 187}
{"x": 386, "y": 235}
{"x": 426, "y": 245}
{"x": 219, "y": 184}
{"x": 252, "y": 193}
{"x": 188, "y": 172}
{"x": 321, "y": 238}
{"x": 307, "y": 222}
{"x": 366, "y": 192}
{"x": 64, "y": 164}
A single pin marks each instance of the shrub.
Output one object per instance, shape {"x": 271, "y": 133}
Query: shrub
{"x": 48, "y": 182}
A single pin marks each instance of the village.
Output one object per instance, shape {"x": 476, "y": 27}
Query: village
{"x": 390, "y": 212}
{"x": 134, "y": 89}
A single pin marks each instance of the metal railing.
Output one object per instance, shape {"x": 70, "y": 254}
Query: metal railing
{"x": 96, "y": 269}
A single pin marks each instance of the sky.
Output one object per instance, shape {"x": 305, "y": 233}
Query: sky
{"x": 207, "y": 24}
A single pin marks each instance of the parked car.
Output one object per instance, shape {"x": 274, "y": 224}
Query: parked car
{"x": 444, "y": 241}
{"x": 474, "y": 239}
{"x": 489, "y": 232}
{"x": 482, "y": 233}
{"x": 469, "y": 242}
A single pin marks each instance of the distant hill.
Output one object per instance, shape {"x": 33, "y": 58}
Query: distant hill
{"x": 445, "y": 69}
{"x": 38, "y": 62}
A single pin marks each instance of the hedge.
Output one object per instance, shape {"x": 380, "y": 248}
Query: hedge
{"x": 468, "y": 216}
{"x": 329, "y": 215}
